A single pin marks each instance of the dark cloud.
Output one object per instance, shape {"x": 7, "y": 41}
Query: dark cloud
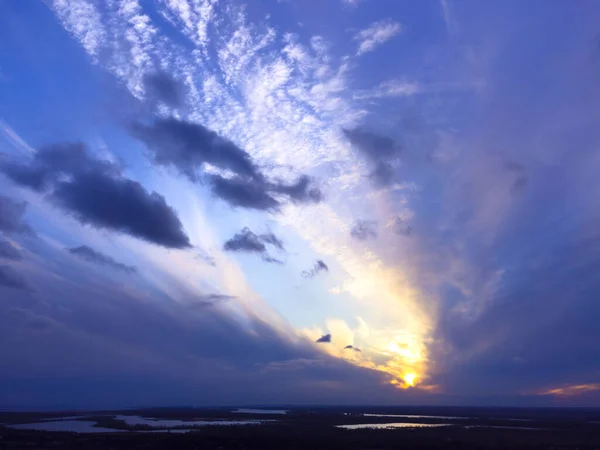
{"x": 270, "y": 259}
{"x": 373, "y": 145}
{"x": 123, "y": 205}
{"x": 35, "y": 178}
{"x": 89, "y": 254}
{"x": 8, "y": 251}
{"x": 189, "y": 147}
{"x": 160, "y": 86}
{"x": 249, "y": 242}
{"x": 10, "y": 278}
{"x": 270, "y": 238}
{"x": 364, "y": 229}
{"x": 210, "y": 300}
{"x": 301, "y": 191}
{"x": 95, "y": 193}
{"x": 402, "y": 228}
{"x": 245, "y": 241}
{"x": 382, "y": 175}
{"x": 352, "y": 347}
{"x": 319, "y": 267}
{"x": 11, "y": 216}
{"x": 243, "y": 193}
{"x": 326, "y": 338}
{"x": 379, "y": 150}
{"x": 52, "y": 161}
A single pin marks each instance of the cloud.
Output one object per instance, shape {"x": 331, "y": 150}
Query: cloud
{"x": 122, "y": 205}
{"x": 10, "y": 278}
{"x": 8, "y": 251}
{"x": 325, "y": 339}
{"x": 244, "y": 193}
{"x": 210, "y": 300}
{"x": 11, "y": 216}
{"x": 372, "y": 145}
{"x": 95, "y": 193}
{"x": 270, "y": 238}
{"x": 301, "y": 191}
{"x": 160, "y": 86}
{"x": 571, "y": 390}
{"x": 352, "y": 347}
{"x": 381, "y": 151}
{"x": 319, "y": 267}
{"x": 33, "y": 321}
{"x": 249, "y": 242}
{"x": 89, "y": 254}
{"x": 390, "y": 89}
{"x": 401, "y": 227}
{"x": 375, "y": 35}
{"x": 245, "y": 241}
{"x": 364, "y": 229}
{"x": 190, "y": 147}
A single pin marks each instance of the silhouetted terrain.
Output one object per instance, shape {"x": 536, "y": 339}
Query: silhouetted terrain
{"x": 315, "y": 428}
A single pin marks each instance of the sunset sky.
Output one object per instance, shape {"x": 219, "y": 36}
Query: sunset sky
{"x": 219, "y": 202}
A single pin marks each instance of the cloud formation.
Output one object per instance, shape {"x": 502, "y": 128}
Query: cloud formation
{"x": 381, "y": 151}
{"x": 325, "y": 339}
{"x": 95, "y": 193}
{"x": 376, "y": 34}
{"x": 11, "y": 216}
{"x": 8, "y": 251}
{"x": 161, "y": 86}
{"x": 352, "y": 347}
{"x": 190, "y": 147}
{"x": 364, "y": 230}
{"x": 319, "y": 267}
{"x": 249, "y": 242}
{"x": 11, "y": 279}
{"x": 89, "y": 254}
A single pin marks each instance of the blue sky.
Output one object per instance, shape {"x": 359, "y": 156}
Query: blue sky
{"x": 193, "y": 193}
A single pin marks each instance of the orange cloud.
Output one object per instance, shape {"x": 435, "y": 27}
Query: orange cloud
{"x": 572, "y": 390}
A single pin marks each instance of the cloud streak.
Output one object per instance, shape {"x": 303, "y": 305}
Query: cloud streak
{"x": 375, "y": 35}
{"x": 90, "y": 255}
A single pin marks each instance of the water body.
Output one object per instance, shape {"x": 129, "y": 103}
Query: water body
{"x": 412, "y": 416}
{"x": 392, "y": 425}
{"x": 260, "y": 411}
{"x": 504, "y": 428}
{"x": 75, "y": 426}
{"x": 168, "y": 423}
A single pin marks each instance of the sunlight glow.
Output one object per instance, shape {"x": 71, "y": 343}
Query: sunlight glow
{"x": 410, "y": 378}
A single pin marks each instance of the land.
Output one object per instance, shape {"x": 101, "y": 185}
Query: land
{"x": 315, "y": 428}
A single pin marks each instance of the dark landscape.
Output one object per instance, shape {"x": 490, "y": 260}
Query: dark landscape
{"x": 315, "y": 428}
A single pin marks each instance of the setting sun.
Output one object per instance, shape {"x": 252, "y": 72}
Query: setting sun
{"x": 410, "y": 379}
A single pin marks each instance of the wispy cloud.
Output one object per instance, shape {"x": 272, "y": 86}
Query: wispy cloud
{"x": 571, "y": 390}
{"x": 89, "y": 254}
{"x": 376, "y": 34}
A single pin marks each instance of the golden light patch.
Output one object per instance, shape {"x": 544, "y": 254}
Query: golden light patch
{"x": 571, "y": 390}
{"x": 410, "y": 379}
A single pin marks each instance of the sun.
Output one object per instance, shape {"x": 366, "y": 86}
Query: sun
{"x": 410, "y": 379}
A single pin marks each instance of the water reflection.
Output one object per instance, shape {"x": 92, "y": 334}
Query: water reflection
{"x": 412, "y": 416}
{"x": 74, "y": 426}
{"x": 392, "y": 425}
{"x": 169, "y": 423}
{"x": 260, "y": 411}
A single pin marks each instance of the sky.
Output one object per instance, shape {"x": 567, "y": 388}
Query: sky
{"x": 218, "y": 202}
